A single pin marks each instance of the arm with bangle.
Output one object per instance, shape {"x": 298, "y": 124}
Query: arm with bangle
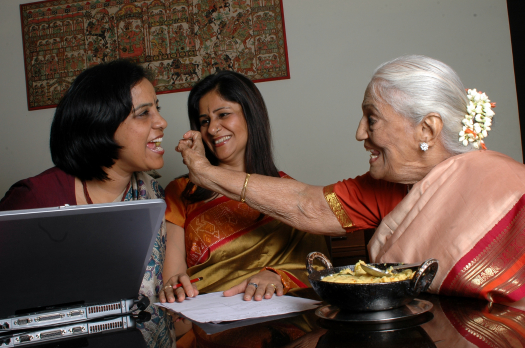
{"x": 292, "y": 202}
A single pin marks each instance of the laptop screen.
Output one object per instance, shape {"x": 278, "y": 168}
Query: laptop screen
{"x": 72, "y": 255}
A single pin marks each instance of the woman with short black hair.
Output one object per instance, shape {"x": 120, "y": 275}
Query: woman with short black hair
{"x": 91, "y": 111}
{"x": 105, "y": 135}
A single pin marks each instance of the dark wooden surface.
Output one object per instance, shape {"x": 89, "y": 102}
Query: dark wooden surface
{"x": 351, "y": 248}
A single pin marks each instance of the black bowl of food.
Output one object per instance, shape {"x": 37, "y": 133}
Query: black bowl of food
{"x": 370, "y": 296}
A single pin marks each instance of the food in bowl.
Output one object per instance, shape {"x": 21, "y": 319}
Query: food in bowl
{"x": 359, "y": 276}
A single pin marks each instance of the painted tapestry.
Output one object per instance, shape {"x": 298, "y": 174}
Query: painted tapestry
{"x": 181, "y": 41}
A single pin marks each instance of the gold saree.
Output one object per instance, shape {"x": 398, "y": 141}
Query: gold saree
{"x": 228, "y": 242}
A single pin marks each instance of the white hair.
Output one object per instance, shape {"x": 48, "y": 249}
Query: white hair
{"x": 416, "y": 86}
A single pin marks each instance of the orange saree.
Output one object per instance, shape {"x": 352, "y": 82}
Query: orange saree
{"x": 227, "y": 242}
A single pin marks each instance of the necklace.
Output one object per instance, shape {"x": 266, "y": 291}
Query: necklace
{"x": 88, "y": 199}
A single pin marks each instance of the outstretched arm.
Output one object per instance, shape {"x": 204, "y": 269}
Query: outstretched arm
{"x": 292, "y": 202}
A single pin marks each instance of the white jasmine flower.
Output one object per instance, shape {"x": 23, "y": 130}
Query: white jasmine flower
{"x": 479, "y": 109}
{"x": 478, "y": 119}
{"x": 477, "y": 128}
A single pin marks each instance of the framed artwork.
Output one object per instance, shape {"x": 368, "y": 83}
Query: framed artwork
{"x": 181, "y": 41}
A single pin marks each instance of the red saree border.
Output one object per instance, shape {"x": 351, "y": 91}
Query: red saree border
{"x": 288, "y": 279}
{"x": 218, "y": 201}
{"x": 507, "y": 321}
{"x": 205, "y": 207}
{"x": 295, "y": 279}
{"x": 481, "y": 329}
{"x": 465, "y": 333}
{"x": 205, "y": 249}
{"x": 507, "y": 225}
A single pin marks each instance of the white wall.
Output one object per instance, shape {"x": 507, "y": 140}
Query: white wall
{"x": 333, "y": 46}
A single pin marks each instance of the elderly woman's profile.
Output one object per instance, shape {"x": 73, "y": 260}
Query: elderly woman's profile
{"x": 432, "y": 191}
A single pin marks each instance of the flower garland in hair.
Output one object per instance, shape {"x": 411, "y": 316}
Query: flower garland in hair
{"x": 477, "y": 122}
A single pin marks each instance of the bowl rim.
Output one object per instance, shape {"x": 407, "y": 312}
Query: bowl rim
{"x": 317, "y": 274}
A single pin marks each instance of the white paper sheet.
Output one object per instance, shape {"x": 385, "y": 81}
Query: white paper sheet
{"x": 215, "y": 307}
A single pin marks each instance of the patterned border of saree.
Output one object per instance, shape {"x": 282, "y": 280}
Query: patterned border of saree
{"x": 498, "y": 326}
{"x": 494, "y": 268}
{"x": 223, "y": 232}
{"x": 337, "y": 208}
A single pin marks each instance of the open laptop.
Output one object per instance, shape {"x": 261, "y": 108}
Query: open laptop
{"x": 73, "y": 263}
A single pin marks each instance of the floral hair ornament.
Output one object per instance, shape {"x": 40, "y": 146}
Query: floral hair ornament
{"x": 477, "y": 122}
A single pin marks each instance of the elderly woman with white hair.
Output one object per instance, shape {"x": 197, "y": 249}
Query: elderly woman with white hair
{"x": 433, "y": 190}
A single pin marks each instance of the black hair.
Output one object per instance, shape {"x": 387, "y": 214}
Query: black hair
{"x": 235, "y": 87}
{"x": 97, "y": 102}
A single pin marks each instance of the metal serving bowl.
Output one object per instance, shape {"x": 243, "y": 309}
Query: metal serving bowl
{"x": 369, "y": 296}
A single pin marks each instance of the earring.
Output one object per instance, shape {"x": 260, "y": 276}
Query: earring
{"x": 218, "y": 129}
{"x": 423, "y": 146}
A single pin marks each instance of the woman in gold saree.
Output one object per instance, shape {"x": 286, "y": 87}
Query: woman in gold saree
{"x": 433, "y": 190}
{"x": 235, "y": 248}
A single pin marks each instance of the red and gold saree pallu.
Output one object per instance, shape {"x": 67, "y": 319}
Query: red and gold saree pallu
{"x": 495, "y": 326}
{"x": 469, "y": 323}
{"x": 227, "y": 242}
{"x": 468, "y": 213}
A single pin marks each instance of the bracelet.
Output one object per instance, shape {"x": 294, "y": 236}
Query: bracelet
{"x": 243, "y": 192}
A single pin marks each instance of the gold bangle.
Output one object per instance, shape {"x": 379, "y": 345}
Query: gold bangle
{"x": 243, "y": 192}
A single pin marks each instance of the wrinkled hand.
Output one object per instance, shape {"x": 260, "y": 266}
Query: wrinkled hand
{"x": 167, "y": 294}
{"x": 193, "y": 155}
{"x": 268, "y": 283}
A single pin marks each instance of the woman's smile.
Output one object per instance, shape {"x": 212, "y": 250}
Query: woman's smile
{"x": 390, "y": 139}
{"x": 144, "y": 125}
{"x": 224, "y": 129}
{"x": 154, "y": 145}
{"x": 374, "y": 154}
{"x": 222, "y": 140}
